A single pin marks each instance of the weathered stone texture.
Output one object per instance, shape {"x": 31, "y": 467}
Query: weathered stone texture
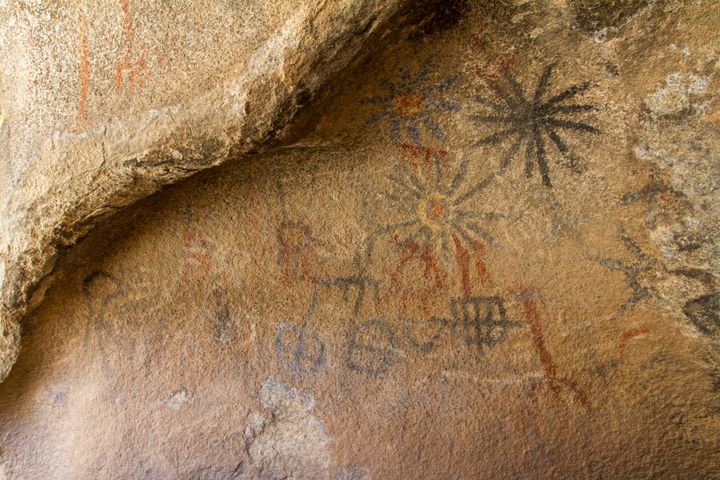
{"x": 488, "y": 251}
{"x": 103, "y": 104}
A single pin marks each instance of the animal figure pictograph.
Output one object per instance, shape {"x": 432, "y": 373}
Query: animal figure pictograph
{"x": 519, "y": 119}
{"x": 644, "y": 265}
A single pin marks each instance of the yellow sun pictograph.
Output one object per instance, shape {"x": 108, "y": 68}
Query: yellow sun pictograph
{"x": 437, "y": 210}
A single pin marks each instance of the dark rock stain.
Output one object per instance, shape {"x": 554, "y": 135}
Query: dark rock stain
{"x": 594, "y": 15}
{"x": 704, "y": 313}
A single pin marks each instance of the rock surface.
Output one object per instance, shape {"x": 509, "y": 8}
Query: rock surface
{"x": 490, "y": 251}
{"x": 102, "y": 106}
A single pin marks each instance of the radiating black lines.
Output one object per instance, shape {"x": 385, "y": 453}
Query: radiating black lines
{"x": 519, "y": 120}
{"x": 411, "y": 102}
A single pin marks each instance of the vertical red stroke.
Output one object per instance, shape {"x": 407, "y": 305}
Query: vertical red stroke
{"x": 84, "y": 70}
{"x": 462, "y": 256}
{"x": 127, "y": 23}
{"x": 555, "y": 383}
{"x": 480, "y": 266}
{"x": 463, "y": 259}
{"x": 411, "y": 251}
{"x": 136, "y": 67}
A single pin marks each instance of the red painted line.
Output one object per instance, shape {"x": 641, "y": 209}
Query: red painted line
{"x": 463, "y": 260}
{"x": 84, "y": 71}
{"x": 628, "y": 335}
{"x": 554, "y": 382}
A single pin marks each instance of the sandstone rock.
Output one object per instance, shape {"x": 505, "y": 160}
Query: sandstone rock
{"x": 102, "y": 106}
{"x": 490, "y": 250}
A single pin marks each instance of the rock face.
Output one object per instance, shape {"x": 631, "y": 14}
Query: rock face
{"x": 490, "y": 250}
{"x": 102, "y": 106}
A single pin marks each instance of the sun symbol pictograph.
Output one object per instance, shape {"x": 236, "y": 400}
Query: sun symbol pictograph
{"x": 437, "y": 220}
{"x": 530, "y": 120}
{"x": 411, "y": 102}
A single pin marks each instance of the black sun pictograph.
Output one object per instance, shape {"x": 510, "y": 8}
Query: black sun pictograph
{"x": 529, "y": 121}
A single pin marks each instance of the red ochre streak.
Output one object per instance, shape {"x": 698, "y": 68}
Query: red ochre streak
{"x": 628, "y": 335}
{"x": 555, "y": 383}
{"x": 84, "y": 71}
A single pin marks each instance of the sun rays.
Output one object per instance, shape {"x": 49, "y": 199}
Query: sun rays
{"x": 519, "y": 120}
{"x": 436, "y": 210}
{"x": 410, "y": 103}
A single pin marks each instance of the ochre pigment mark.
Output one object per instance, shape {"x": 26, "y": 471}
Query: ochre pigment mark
{"x": 440, "y": 217}
{"x": 198, "y": 255}
{"x": 297, "y": 251}
{"x": 419, "y": 158}
{"x": 297, "y": 255}
{"x": 492, "y": 71}
{"x": 82, "y": 116}
{"x": 462, "y": 256}
{"x": 412, "y": 252}
{"x": 552, "y": 380}
{"x": 629, "y": 335}
{"x": 412, "y": 102}
{"x": 480, "y": 266}
{"x": 497, "y": 70}
{"x": 463, "y": 259}
{"x": 127, "y": 21}
{"x": 664, "y": 202}
{"x": 137, "y": 67}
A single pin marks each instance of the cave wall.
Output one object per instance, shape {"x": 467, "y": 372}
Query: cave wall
{"x": 488, "y": 251}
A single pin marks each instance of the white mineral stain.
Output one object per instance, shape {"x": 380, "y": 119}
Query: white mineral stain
{"x": 288, "y": 442}
{"x": 177, "y": 399}
{"x": 676, "y": 96}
